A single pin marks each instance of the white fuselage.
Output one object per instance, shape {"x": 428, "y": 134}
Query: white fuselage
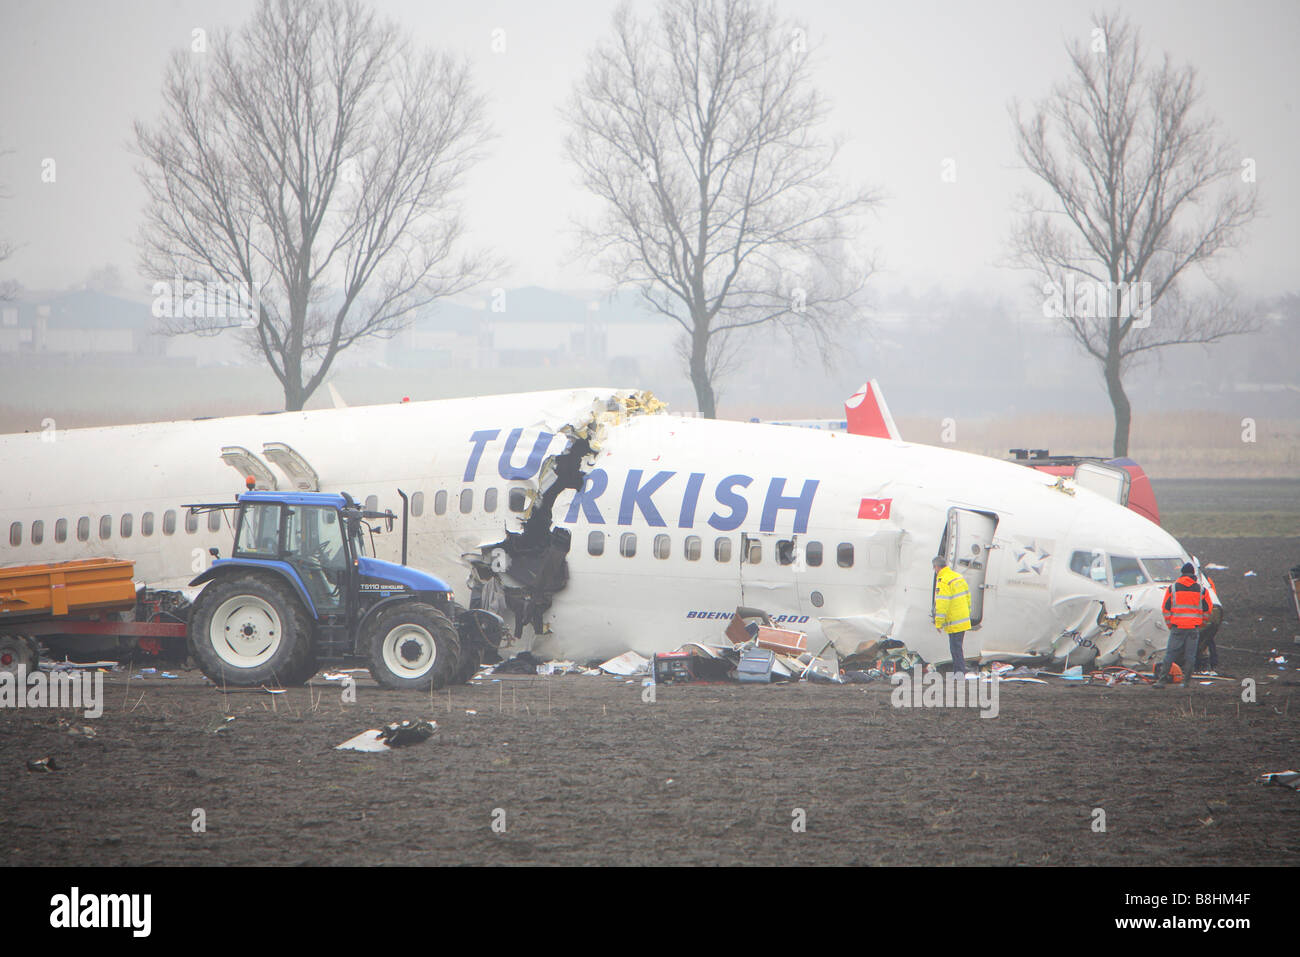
{"x": 668, "y": 509}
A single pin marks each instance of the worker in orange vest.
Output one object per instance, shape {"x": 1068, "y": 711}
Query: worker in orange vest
{"x": 1208, "y": 648}
{"x": 1187, "y": 610}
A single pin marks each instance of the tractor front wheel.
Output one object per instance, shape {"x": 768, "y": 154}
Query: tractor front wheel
{"x": 413, "y": 647}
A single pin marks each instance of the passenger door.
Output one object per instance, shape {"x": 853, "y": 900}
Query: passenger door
{"x": 967, "y": 541}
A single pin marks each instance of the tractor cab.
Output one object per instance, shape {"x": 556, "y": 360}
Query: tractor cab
{"x": 318, "y": 540}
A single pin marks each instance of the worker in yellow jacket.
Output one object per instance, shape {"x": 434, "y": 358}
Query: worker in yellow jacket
{"x": 952, "y": 610}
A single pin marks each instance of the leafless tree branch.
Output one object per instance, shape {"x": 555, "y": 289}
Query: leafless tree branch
{"x": 315, "y": 161}
{"x": 698, "y": 131}
{"x": 1142, "y": 191}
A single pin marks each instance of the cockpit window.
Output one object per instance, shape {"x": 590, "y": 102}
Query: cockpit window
{"x": 1091, "y": 565}
{"x": 1163, "y": 569}
{"x": 1126, "y": 571}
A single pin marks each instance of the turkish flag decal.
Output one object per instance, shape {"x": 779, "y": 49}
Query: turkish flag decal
{"x": 875, "y": 508}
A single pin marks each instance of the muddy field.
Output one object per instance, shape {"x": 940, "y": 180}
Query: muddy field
{"x": 582, "y": 771}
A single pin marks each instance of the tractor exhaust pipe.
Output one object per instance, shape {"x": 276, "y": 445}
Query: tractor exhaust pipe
{"x": 406, "y": 510}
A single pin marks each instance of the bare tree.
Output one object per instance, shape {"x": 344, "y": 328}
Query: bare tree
{"x": 1141, "y": 189}
{"x": 313, "y": 159}
{"x": 697, "y": 131}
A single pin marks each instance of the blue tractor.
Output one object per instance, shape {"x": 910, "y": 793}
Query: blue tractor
{"x": 300, "y": 591}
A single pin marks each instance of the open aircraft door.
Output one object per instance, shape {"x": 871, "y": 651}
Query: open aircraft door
{"x": 967, "y": 545}
{"x": 1109, "y": 481}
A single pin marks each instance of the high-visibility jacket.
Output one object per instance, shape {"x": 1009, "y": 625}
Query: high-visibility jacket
{"x": 951, "y": 602}
{"x": 1186, "y": 604}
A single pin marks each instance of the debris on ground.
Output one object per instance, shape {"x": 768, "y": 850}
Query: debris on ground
{"x": 756, "y": 665}
{"x": 365, "y": 741}
{"x": 1286, "y": 779}
{"x": 401, "y": 733}
{"x": 524, "y": 663}
{"x": 43, "y": 764}
{"x": 626, "y": 665}
{"x": 260, "y": 689}
{"x": 694, "y": 664}
{"x": 395, "y": 735}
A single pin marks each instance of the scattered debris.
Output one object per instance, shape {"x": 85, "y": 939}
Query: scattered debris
{"x": 524, "y": 663}
{"x": 692, "y": 664}
{"x": 401, "y": 733}
{"x": 1250, "y": 574}
{"x": 225, "y": 723}
{"x": 43, "y": 764}
{"x": 260, "y": 689}
{"x": 627, "y": 665}
{"x": 1286, "y": 779}
{"x": 756, "y": 665}
{"x": 365, "y": 741}
{"x": 395, "y": 735}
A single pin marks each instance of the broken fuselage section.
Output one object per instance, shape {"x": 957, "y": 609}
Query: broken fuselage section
{"x": 517, "y": 576}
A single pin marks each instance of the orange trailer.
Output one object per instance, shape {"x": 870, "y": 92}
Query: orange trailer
{"x": 93, "y": 598}
{"x": 66, "y": 588}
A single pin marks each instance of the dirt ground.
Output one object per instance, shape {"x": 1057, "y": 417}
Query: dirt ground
{"x": 582, "y": 771}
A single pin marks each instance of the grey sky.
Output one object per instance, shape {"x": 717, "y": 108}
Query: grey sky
{"x": 912, "y": 84}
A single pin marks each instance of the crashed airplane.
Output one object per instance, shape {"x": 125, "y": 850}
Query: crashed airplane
{"x": 593, "y": 522}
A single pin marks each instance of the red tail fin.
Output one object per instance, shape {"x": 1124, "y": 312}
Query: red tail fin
{"x": 867, "y": 413}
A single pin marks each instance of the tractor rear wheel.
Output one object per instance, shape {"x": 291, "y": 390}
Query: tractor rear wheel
{"x": 250, "y": 630}
{"x": 18, "y": 650}
{"x": 413, "y": 646}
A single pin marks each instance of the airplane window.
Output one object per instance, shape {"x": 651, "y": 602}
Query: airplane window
{"x": 214, "y": 521}
{"x": 38, "y": 532}
{"x": 146, "y": 523}
{"x": 467, "y": 500}
{"x": 844, "y": 555}
{"x": 1163, "y": 569}
{"x": 490, "y": 500}
{"x": 417, "y": 504}
{"x": 627, "y": 545}
{"x": 596, "y": 543}
{"x": 61, "y": 530}
{"x": 372, "y": 503}
{"x": 663, "y": 546}
{"x": 517, "y": 500}
{"x": 169, "y": 522}
{"x": 127, "y": 524}
{"x": 105, "y": 526}
{"x": 440, "y": 503}
{"x": 1091, "y": 565}
{"x": 814, "y": 554}
{"x": 755, "y": 554}
{"x": 692, "y": 548}
{"x": 1126, "y": 571}
{"x": 722, "y": 549}
{"x": 16, "y": 534}
{"x": 191, "y": 522}
{"x": 785, "y": 552}
{"x": 83, "y": 528}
